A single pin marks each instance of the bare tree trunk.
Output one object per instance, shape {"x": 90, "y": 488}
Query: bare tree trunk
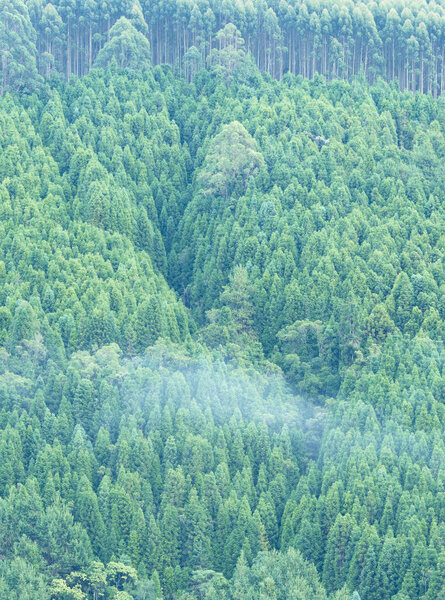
{"x": 421, "y": 73}
{"x": 68, "y": 53}
{"x": 393, "y": 57}
{"x": 440, "y": 87}
{"x": 165, "y": 40}
{"x": 314, "y": 62}
{"x": 90, "y": 45}
{"x": 77, "y": 53}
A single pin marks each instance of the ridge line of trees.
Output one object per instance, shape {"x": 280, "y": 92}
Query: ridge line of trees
{"x": 404, "y": 42}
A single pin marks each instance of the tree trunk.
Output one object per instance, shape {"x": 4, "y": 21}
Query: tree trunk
{"x": 90, "y": 46}
{"x": 68, "y": 53}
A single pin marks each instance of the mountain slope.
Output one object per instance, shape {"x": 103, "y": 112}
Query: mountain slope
{"x": 167, "y": 251}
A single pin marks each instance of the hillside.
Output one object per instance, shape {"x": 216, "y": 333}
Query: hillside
{"x": 222, "y": 306}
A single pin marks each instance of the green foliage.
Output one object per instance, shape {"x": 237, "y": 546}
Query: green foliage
{"x": 182, "y": 261}
{"x": 277, "y": 575}
{"x": 230, "y": 163}
{"x": 128, "y": 47}
{"x": 18, "y": 66}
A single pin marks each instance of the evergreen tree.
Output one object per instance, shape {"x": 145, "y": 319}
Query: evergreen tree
{"x": 18, "y": 65}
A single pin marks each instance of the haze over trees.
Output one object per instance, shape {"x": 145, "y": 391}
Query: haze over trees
{"x": 222, "y": 305}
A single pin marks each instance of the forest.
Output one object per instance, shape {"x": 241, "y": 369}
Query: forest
{"x": 401, "y": 41}
{"x": 222, "y": 302}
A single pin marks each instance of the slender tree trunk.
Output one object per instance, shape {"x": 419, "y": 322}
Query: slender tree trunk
{"x": 77, "y": 53}
{"x": 165, "y": 40}
{"x": 421, "y": 73}
{"x": 393, "y": 57}
{"x": 353, "y": 57}
{"x": 325, "y": 57}
{"x": 68, "y": 53}
{"x": 90, "y": 46}
{"x": 314, "y": 60}
{"x": 442, "y": 79}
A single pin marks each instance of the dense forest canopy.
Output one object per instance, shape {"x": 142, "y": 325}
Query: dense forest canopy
{"x": 401, "y": 41}
{"x": 222, "y": 301}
